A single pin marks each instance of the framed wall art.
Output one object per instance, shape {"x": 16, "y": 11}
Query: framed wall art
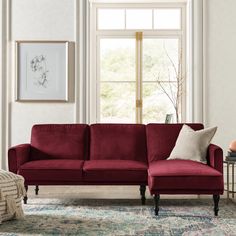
{"x": 42, "y": 70}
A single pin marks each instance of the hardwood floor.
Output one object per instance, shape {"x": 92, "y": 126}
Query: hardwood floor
{"x": 106, "y": 192}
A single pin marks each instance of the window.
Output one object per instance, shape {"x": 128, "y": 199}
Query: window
{"x": 139, "y": 55}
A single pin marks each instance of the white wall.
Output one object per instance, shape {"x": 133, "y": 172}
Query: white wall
{"x": 221, "y": 69}
{"x": 1, "y": 81}
{"x": 40, "y": 20}
{"x": 43, "y": 19}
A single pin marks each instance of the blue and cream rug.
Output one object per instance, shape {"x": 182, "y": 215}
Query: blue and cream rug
{"x": 122, "y": 217}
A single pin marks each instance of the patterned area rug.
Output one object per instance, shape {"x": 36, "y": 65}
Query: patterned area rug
{"x": 122, "y": 217}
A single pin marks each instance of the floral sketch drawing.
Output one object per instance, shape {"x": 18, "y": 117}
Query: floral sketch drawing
{"x": 39, "y": 67}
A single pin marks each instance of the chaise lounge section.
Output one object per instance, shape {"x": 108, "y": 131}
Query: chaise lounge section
{"x": 181, "y": 176}
{"x": 116, "y": 154}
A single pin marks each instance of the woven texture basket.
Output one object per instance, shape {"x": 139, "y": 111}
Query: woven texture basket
{"x": 11, "y": 192}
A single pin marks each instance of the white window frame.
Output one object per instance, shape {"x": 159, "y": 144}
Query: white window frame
{"x": 96, "y": 34}
{"x": 197, "y": 60}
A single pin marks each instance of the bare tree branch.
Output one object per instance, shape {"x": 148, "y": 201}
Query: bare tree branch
{"x": 170, "y": 87}
{"x": 164, "y": 90}
{"x": 175, "y": 99}
{"x": 171, "y": 61}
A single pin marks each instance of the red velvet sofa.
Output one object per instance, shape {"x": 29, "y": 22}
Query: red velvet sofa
{"x": 116, "y": 154}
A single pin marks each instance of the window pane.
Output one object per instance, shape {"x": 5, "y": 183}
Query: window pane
{"x": 117, "y": 102}
{"x": 156, "y": 103}
{"x": 160, "y": 59}
{"x": 117, "y": 60}
{"x": 167, "y": 18}
{"x": 111, "y": 19}
{"x": 138, "y": 19}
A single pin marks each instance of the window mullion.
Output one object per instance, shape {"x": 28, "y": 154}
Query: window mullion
{"x": 139, "y": 102}
{"x": 141, "y": 77}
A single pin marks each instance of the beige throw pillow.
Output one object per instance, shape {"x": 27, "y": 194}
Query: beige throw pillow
{"x": 192, "y": 145}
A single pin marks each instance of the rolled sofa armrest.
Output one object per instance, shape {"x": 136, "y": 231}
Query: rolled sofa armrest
{"x": 215, "y": 157}
{"x": 17, "y": 156}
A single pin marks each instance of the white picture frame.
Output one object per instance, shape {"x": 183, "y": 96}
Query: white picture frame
{"x": 41, "y": 71}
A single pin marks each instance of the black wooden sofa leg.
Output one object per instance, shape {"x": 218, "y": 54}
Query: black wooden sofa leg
{"x": 142, "y": 190}
{"x": 36, "y": 190}
{"x": 25, "y": 197}
{"x": 157, "y": 199}
{"x": 216, "y": 199}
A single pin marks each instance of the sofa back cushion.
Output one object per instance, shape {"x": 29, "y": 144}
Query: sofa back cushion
{"x": 161, "y": 139}
{"x": 118, "y": 142}
{"x": 59, "y": 141}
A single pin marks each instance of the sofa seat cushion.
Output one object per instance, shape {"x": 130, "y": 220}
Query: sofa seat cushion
{"x": 183, "y": 175}
{"x": 52, "y": 170}
{"x": 115, "y": 171}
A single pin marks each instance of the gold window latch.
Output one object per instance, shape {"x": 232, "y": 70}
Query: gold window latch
{"x": 139, "y": 35}
{"x": 139, "y": 103}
